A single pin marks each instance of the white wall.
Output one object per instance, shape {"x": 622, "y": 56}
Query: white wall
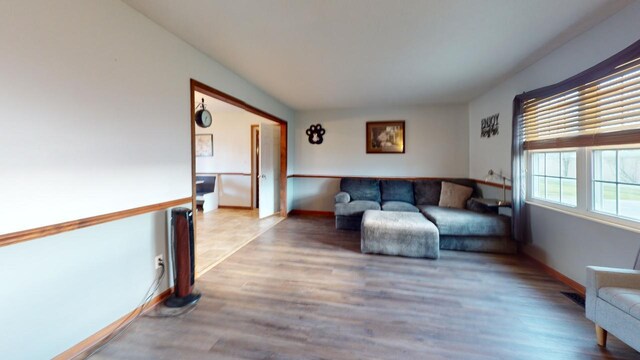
{"x": 231, "y": 154}
{"x": 94, "y": 105}
{"x": 96, "y": 100}
{"x": 564, "y": 242}
{"x": 436, "y": 145}
{"x": 63, "y": 288}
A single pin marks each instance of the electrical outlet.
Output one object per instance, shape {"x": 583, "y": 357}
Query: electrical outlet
{"x": 159, "y": 260}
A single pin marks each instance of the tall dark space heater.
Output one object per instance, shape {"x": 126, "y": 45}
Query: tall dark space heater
{"x": 183, "y": 259}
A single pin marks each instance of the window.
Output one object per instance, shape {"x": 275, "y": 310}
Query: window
{"x": 576, "y": 144}
{"x": 616, "y": 182}
{"x": 554, "y": 177}
{"x": 580, "y": 144}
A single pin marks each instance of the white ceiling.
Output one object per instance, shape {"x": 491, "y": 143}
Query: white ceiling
{"x": 316, "y": 54}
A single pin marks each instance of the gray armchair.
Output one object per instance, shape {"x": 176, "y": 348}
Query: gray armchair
{"x": 613, "y": 304}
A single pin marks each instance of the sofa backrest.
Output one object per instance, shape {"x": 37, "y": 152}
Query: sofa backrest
{"x": 418, "y": 192}
{"x": 397, "y": 190}
{"x": 427, "y": 192}
{"x": 361, "y": 189}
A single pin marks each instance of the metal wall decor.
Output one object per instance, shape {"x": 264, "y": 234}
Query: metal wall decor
{"x": 489, "y": 126}
{"x": 315, "y": 133}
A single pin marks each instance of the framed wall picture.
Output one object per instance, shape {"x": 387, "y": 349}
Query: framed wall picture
{"x": 204, "y": 145}
{"x": 385, "y": 137}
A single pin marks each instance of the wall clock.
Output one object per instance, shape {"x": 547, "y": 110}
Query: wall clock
{"x": 203, "y": 116}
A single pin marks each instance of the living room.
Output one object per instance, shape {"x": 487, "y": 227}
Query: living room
{"x": 91, "y": 179}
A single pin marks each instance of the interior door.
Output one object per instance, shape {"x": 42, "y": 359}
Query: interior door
{"x": 267, "y": 175}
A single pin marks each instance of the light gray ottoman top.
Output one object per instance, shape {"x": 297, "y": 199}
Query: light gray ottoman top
{"x": 399, "y": 233}
{"x": 400, "y": 220}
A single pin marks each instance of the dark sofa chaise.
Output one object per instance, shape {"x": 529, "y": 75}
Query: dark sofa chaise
{"x": 471, "y": 229}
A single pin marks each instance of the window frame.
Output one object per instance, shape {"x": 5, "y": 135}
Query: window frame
{"x": 585, "y": 197}
{"x": 531, "y": 175}
{"x": 591, "y": 182}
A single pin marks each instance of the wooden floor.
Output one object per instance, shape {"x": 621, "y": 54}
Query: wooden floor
{"x": 223, "y": 231}
{"x": 302, "y": 290}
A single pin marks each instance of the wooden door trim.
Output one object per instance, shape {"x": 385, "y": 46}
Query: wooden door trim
{"x": 253, "y": 163}
{"x": 222, "y": 96}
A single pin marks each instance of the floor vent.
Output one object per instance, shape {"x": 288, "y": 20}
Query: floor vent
{"x": 575, "y": 297}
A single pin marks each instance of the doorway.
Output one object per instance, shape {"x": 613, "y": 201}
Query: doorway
{"x": 239, "y": 175}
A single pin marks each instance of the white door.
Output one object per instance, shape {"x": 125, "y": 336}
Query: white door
{"x": 269, "y": 169}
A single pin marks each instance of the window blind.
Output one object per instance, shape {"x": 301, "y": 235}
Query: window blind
{"x": 605, "y": 111}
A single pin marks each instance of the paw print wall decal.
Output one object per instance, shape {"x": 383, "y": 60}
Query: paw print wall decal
{"x": 315, "y": 133}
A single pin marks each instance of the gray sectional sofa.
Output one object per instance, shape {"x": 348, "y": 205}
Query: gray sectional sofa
{"x": 474, "y": 228}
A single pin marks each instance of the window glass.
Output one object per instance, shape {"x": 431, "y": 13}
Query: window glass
{"x": 554, "y": 177}
{"x": 553, "y": 189}
{"x": 569, "y": 192}
{"x": 539, "y": 188}
{"x": 552, "y": 164}
{"x": 568, "y": 165}
{"x": 538, "y": 163}
{"x": 604, "y": 167}
{"x": 629, "y": 166}
{"x": 616, "y": 182}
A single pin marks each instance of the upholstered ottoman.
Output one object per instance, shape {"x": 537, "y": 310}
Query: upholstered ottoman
{"x": 399, "y": 233}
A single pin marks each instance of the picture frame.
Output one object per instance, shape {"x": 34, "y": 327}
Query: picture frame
{"x": 385, "y": 137}
{"x": 204, "y": 145}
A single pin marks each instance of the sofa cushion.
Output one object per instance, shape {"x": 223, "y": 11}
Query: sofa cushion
{"x": 342, "y": 197}
{"x": 356, "y": 208}
{"x": 463, "y": 222}
{"x": 454, "y": 195}
{"x": 361, "y": 189}
{"x": 397, "y": 190}
{"x": 625, "y": 299}
{"x": 398, "y": 206}
{"x": 427, "y": 192}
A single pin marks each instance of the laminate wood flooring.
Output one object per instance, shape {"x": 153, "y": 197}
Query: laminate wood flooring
{"x": 303, "y": 290}
{"x": 221, "y": 232}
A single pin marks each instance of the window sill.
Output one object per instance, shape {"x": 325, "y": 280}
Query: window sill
{"x": 588, "y": 215}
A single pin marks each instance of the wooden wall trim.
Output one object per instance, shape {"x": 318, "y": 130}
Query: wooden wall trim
{"x": 556, "y": 274}
{"x": 312, "y": 176}
{"x": 30, "y": 234}
{"x": 215, "y": 93}
{"x": 88, "y": 343}
{"x": 239, "y": 207}
{"x": 490, "y": 183}
{"x": 224, "y": 173}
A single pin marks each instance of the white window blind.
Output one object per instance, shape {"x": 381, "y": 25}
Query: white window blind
{"x": 603, "y": 112}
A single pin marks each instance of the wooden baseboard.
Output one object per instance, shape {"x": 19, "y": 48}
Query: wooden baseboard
{"x": 556, "y": 275}
{"x": 311, "y": 213}
{"x": 94, "y": 339}
{"x": 234, "y": 207}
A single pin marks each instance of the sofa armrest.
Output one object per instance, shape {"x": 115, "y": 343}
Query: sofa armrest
{"x": 342, "y": 197}
{"x": 475, "y": 204}
{"x": 599, "y": 277}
